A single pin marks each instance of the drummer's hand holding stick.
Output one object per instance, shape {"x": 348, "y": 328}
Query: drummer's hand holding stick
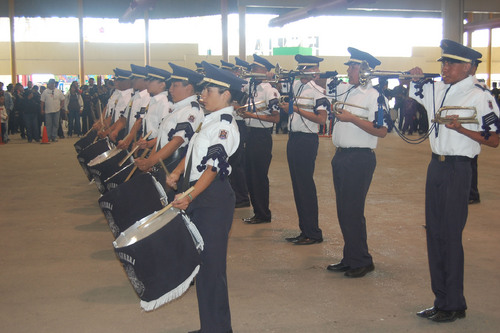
{"x": 133, "y": 151}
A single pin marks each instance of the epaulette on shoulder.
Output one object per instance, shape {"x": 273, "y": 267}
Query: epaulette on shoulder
{"x": 226, "y": 117}
{"x": 195, "y": 104}
{"x": 481, "y": 87}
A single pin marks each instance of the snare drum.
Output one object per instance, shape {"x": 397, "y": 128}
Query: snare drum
{"x": 106, "y": 164}
{"x": 161, "y": 257}
{"x": 85, "y": 141}
{"x": 131, "y": 201}
{"x": 87, "y": 154}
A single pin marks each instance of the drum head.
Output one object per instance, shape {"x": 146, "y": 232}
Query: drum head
{"x": 104, "y": 156}
{"x": 144, "y": 228}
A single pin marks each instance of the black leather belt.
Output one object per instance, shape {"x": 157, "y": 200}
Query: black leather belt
{"x": 451, "y": 158}
{"x": 352, "y": 149}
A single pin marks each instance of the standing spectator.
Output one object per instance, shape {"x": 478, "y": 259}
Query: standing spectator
{"x": 31, "y": 109}
{"x": 73, "y": 105}
{"x": 87, "y": 116}
{"x": 17, "y": 115}
{"x": 51, "y": 102}
{"x": 9, "y": 106}
{"x": 496, "y": 92}
{"x": 400, "y": 94}
{"x": 3, "y": 117}
{"x": 36, "y": 95}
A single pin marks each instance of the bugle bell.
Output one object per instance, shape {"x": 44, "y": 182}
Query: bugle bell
{"x": 366, "y": 73}
{"x": 442, "y": 117}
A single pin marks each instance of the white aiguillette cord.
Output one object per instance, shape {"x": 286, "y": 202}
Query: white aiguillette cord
{"x": 163, "y": 210}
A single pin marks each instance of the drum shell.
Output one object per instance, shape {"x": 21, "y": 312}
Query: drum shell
{"x": 85, "y": 141}
{"x": 119, "y": 177}
{"x": 131, "y": 201}
{"x": 107, "y": 167}
{"x": 90, "y": 152}
{"x": 161, "y": 261}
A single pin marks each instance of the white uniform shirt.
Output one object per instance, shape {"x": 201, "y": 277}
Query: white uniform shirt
{"x": 52, "y": 100}
{"x": 122, "y": 103}
{"x": 110, "y": 106}
{"x": 346, "y": 134}
{"x": 217, "y": 140}
{"x": 463, "y": 93}
{"x": 263, "y": 94}
{"x": 159, "y": 107}
{"x": 306, "y": 96}
{"x": 185, "y": 117}
{"x": 140, "y": 101}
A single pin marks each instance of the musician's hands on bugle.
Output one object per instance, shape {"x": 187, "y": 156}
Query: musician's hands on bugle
{"x": 345, "y": 116}
{"x": 416, "y": 71}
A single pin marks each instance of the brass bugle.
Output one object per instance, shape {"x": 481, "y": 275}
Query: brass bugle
{"x": 366, "y": 73}
{"x": 441, "y": 115}
{"x": 282, "y": 74}
{"x": 337, "y": 106}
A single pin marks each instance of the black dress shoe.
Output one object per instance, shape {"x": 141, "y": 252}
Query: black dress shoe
{"x": 256, "y": 220}
{"x": 294, "y": 239}
{"x": 447, "y": 316}
{"x": 307, "y": 241}
{"x": 474, "y": 201}
{"x": 359, "y": 272}
{"x": 427, "y": 313}
{"x": 340, "y": 267}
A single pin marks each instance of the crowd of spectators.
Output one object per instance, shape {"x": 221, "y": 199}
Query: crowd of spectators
{"x": 23, "y": 110}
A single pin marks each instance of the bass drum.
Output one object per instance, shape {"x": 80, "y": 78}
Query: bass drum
{"x": 120, "y": 176}
{"x": 85, "y": 141}
{"x": 131, "y": 201}
{"x": 90, "y": 152}
{"x": 161, "y": 256}
{"x": 106, "y": 164}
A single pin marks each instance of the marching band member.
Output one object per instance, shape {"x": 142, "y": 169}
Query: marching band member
{"x": 449, "y": 173}
{"x": 179, "y": 125}
{"x": 237, "y": 160}
{"x": 354, "y": 163}
{"x": 125, "y": 90}
{"x": 140, "y": 100}
{"x": 309, "y": 111}
{"x": 211, "y": 205}
{"x": 261, "y": 114}
{"x": 159, "y": 107}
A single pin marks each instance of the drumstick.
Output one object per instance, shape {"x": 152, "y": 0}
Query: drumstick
{"x": 135, "y": 166}
{"x": 164, "y": 209}
{"x": 132, "y": 151}
{"x": 90, "y": 130}
{"x": 167, "y": 172}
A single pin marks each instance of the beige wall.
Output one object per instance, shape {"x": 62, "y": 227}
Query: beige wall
{"x": 62, "y": 58}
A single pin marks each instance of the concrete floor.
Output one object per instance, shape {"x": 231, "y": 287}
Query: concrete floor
{"x": 60, "y": 274}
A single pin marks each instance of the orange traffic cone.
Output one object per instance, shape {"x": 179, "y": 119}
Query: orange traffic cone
{"x": 45, "y": 137}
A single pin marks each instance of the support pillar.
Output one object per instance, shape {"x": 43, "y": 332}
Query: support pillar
{"x": 452, "y": 13}
{"x": 81, "y": 43}
{"x": 147, "y": 53}
{"x": 224, "y": 13}
{"x": 13, "y": 69}
{"x": 242, "y": 32}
